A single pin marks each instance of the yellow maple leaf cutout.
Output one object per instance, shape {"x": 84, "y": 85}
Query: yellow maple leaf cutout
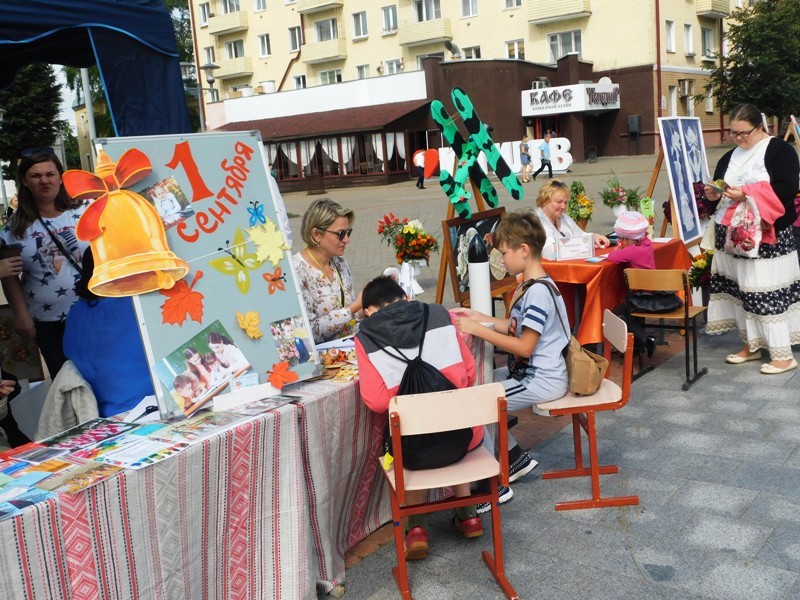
{"x": 388, "y": 459}
{"x": 249, "y": 322}
{"x": 269, "y": 242}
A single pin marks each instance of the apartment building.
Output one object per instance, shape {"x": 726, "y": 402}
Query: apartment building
{"x": 341, "y": 88}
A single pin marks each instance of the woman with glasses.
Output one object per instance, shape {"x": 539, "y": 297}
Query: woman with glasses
{"x": 322, "y": 272}
{"x": 758, "y": 297}
{"x": 44, "y": 225}
{"x": 551, "y": 206}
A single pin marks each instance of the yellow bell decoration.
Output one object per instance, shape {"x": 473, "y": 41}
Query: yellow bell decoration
{"x": 127, "y": 236}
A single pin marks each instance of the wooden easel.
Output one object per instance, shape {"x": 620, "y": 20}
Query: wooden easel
{"x": 792, "y": 131}
{"x": 505, "y": 292}
{"x": 652, "y": 186}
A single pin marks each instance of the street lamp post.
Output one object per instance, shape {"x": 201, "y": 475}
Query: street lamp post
{"x": 3, "y": 177}
{"x": 208, "y": 69}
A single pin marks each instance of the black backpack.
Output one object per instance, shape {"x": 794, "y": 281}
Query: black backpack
{"x": 428, "y": 450}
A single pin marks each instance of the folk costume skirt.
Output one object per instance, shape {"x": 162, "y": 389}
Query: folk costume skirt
{"x": 759, "y": 297}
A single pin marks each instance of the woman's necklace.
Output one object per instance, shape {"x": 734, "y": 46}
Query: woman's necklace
{"x": 335, "y": 274}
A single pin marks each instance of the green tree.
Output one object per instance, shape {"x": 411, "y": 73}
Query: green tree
{"x": 179, "y": 9}
{"x": 71, "y": 151}
{"x": 32, "y": 104}
{"x": 763, "y": 62}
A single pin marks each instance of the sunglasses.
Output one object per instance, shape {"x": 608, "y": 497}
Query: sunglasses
{"x": 341, "y": 234}
{"x": 34, "y": 151}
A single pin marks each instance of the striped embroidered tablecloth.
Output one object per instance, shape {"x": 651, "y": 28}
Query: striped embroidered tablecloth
{"x": 265, "y": 510}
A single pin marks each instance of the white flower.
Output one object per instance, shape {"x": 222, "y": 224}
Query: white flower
{"x": 417, "y": 225}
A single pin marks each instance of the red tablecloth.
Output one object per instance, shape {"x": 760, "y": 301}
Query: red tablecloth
{"x": 602, "y": 285}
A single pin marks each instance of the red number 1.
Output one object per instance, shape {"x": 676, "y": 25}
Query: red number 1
{"x": 183, "y": 156}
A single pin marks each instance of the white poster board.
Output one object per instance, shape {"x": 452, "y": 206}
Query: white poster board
{"x": 237, "y": 317}
{"x": 685, "y": 153}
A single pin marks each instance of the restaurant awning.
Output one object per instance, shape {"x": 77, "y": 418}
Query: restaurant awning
{"x": 328, "y": 123}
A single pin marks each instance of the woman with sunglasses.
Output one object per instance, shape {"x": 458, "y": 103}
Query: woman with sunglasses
{"x": 551, "y": 204}
{"x": 44, "y": 225}
{"x": 322, "y": 272}
{"x": 758, "y": 297}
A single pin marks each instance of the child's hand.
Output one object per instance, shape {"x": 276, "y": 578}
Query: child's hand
{"x": 6, "y": 387}
{"x": 600, "y": 241}
{"x": 466, "y": 325}
{"x": 468, "y": 313}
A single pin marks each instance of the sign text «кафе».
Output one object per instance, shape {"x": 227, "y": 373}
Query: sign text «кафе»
{"x": 551, "y": 96}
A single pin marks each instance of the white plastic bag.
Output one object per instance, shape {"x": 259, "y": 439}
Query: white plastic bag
{"x": 743, "y": 237}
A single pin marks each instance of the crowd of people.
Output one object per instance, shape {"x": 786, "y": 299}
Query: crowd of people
{"x": 758, "y": 296}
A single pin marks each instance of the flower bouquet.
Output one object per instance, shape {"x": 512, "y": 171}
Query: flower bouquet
{"x": 615, "y": 195}
{"x": 700, "y": 272}
{"x": 704, "y": 207}
{"x": 579, "y": 206}
{"x": 408, "y": 238}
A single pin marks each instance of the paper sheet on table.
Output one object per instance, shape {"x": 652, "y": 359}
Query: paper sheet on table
{"x": 137, "y": 412}
{"x": 345, "y": 343}
{"x": 662, "y": 240}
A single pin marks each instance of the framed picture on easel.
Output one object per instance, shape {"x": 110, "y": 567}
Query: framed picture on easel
{"x": 457, "y": 233}
{"x": 685, "y": 154}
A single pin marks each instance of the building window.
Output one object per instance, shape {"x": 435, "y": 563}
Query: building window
{"x": 472, "y": 52}
{"x": 389, "y": 16}
{"x": 360, "y": 25}
{"x": 564, "y": 43}
{"x": 205, "y": 13}
{"x": 516, "y": 49}
{"x": 421, "y": 57}
{"x": 394, "y": 66}
{"x": 670, "y": 36}
{"x": 300, "y": 82}
{"x": 264, "y": 48}
{"x": 326, "y": 30}
{"x": 427, "y": 10}
{"x": 295, "y": 39}
{"x": 513, "y": 3}
{"x": 362, "y": 72}
{"x": 707, "y": 38}
{"x": 709, "y": 100}
{"x": 469, "y": 8}
{"x": 260, "y": 5}
{"x": 688, "y": 40}
{"x": 234, "y": 49}
{"x": 208, "y": 52}
{"x": 673, "y": 100}
{"x": 230, "y": 6}
{"x": 332, "y": 76}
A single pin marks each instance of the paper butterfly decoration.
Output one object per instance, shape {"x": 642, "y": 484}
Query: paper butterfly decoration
{"x": 256, "y": 213}
{"x": 269, "y": 242}
{"x": 238, "y": 263}
{"x": 276, "y": 281}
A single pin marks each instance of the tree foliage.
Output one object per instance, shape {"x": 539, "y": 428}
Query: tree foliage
{"x": 179, "y": 9}
{"x": 72, "y": 153}
{"x": 763, "y": 62}
{"x": 33, "y": 106}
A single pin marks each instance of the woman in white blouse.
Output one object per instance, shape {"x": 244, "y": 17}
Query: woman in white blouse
{"x": 323, "y": 274}
{"x": 551, "y": 206}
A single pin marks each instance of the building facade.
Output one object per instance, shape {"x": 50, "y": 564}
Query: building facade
{"x": 351, "y": 80}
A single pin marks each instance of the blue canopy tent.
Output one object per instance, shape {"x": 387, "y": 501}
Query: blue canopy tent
{"x": 131, "y": 41}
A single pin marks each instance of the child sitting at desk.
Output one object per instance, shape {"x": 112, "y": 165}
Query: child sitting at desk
{"x": 635, "y": 250}
{"x": 394, "y": 322}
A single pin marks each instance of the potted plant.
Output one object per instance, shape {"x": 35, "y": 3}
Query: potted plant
{"x": 614, "y": 195}
{"x": 700, "y": 274}
{"x": 579, "y": 206}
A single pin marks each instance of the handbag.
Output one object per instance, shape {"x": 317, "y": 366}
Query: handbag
{"x": 585, "y": 370}
{"x": 655, "y": 302}
{"x": 743, "y": 236}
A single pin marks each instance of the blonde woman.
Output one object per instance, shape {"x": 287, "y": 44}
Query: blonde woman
{"x": 323, "y": 274}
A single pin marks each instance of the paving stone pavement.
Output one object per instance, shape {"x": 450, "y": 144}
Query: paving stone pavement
{"x": 717, "y": 468}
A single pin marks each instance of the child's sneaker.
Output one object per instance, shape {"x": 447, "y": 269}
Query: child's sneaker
{"x": 416, "y": 543}
{"x": 523, "y": 465}
{"x": 469, "y": 528}
{"x": 505, "y": 494}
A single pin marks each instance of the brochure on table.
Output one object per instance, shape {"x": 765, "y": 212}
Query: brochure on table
{"x": 237, "y": 321}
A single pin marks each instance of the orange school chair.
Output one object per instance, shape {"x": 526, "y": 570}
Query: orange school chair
{"x": 584, "y": 409}
{"x": 444, "y": 411}
{"x": 656, "y": 280}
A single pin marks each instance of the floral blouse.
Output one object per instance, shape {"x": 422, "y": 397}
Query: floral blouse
{"x": 326, "y": 302}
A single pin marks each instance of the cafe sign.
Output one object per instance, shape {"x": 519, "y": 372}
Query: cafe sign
{"x": 581, "y": 97}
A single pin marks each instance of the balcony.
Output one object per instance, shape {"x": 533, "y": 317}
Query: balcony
{"x": 425, "y": 32}
{"x": 713, "y": 9}
{"x": 306, "y": 7}
{"x": 321, "y": 52}
{"x": 234, "y": 67}
{"x": 230, "y": 23}
{"x": 540, "y": 13}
